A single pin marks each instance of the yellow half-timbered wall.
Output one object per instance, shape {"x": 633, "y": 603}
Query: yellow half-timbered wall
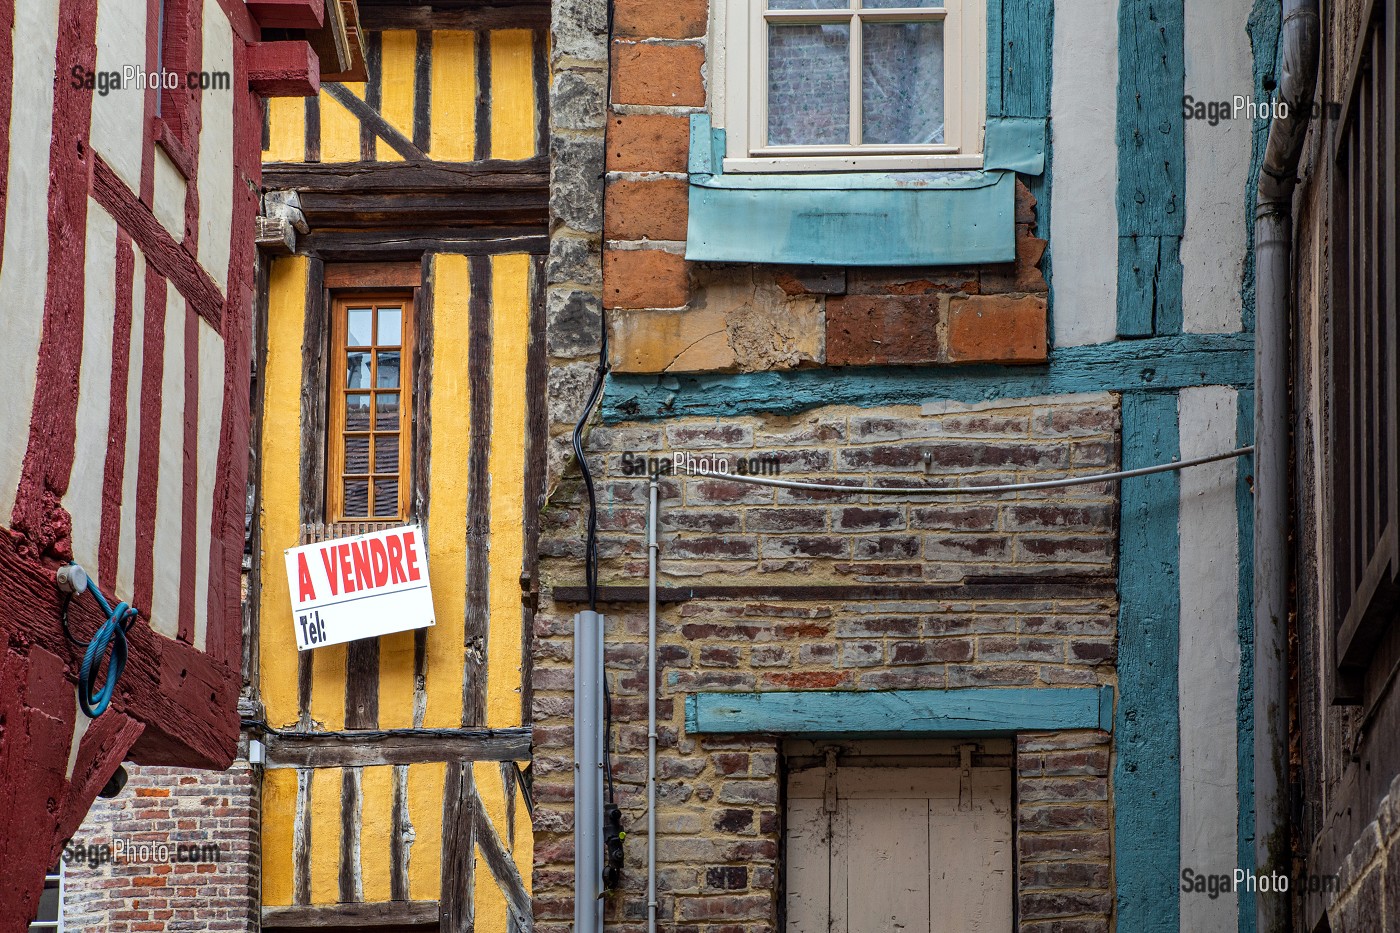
{"x": 449, "y": 95}
{"x": 395, "y": 789}
{"x": 427, "y": 686}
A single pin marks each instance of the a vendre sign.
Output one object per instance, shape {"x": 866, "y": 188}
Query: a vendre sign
{"x": 359, "y": 587}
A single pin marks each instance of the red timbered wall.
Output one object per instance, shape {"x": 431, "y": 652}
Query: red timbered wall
{"x": 126, "y": 279}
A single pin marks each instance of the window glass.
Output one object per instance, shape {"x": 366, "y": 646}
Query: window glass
{"x": 809, "y": 85}
{"x": 902, "y": 83}
{"x": 367, "y": 467}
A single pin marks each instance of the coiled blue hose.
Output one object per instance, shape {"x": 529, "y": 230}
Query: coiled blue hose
{"x": 95, "y": 699}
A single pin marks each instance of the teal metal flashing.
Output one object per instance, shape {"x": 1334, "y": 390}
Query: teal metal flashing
{"x": 847, "y": 218}
{"x": 971, "y": 711}
{"x": 1151, "y": 165}
{"x": 1154, "y": 364}
{"x": 1147, "y": 770}
{"x": 1016, "y": 144}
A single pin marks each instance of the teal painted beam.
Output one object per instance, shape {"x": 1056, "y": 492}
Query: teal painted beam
{"x": 1147, "y": 770}
{"x": 971, "y": 711}
{"x": 1151, "y": 165}
{"x": 1027, "y": 31}
{"x": 1156, "y": 364}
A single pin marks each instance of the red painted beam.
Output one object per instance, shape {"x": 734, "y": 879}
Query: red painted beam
{"x": 187, "y": 701}
{"x": 288, "y": 14}
{"x": 284, "y": 69}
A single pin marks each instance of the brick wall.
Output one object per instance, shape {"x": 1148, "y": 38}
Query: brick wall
{"x": 170, "y": 807}
{"x": 670, "y": 315}
{"x": 719, "y": 812}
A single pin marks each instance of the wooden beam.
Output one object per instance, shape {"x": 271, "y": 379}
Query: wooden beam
{"x": 385, "y": 916}
{"x": 1070, "y": 588}
{"x": 411, "y": 244}
{"x": 503, "y": 868}
{"x": 375, "y": 121}
{"x": 971, "y": 711}
{"x": 366, "y": 177}
{"x": 353, "y": 749}
{"x": 283, "y": 69}
{"x": 477, "y": 14}
{"x": 288, "y": 14}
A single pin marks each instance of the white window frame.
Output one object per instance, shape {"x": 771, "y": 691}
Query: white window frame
{"x": 741, "y": 43}
{"x": 37, "y": 925}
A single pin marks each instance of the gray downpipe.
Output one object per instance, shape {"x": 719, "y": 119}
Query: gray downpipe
{"x": 651, "y": 707}
{"x": 588, "y": 772}
{"x": 1273, "y": 245}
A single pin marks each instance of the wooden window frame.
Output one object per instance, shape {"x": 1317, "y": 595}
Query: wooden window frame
{"x": 340, "y": 302}
{"x": 1363, "y": 405}
{"x": 744, "y": 106}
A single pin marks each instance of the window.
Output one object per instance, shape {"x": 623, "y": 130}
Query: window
{"x": 817, "y": 85}
{"x": 889, "y": 835}
{"x": 50, "y": 915}
{"x": 370, "y": 411}
{"x": 1365, "y": 398}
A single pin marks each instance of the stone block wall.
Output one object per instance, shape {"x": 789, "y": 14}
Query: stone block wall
{"x": 194, "y": 856}
{"x": 669, "y": 315}
{"x": 989, "y": 591}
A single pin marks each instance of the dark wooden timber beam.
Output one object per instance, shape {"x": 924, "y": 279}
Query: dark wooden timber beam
{"x": 1062, "y": 588}
{"x": 462, "y": 14}
{"x": 384, "y": 916}
{"x": 367, "y": 748}
{"x": 368, "y": 177}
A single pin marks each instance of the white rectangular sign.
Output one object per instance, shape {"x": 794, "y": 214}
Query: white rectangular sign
{"x": 359, "y": 587}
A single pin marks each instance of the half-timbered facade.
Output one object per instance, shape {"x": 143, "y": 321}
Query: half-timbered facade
{"x": 400, "y": 380}
{"x": 128, "y": 188}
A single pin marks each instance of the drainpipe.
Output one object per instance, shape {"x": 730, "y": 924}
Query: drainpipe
{"x": 588, "y": 772}
{"x": 1273, "y": 245}
{"x": 651, "y": 707}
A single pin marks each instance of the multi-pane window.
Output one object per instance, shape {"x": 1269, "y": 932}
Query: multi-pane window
{"x": 50, "y": 914}
{"x": 370, "y": 408}
{"x": 829, "y": 84}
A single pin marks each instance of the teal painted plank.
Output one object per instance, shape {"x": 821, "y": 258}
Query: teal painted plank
{"x": 1151, "y": 164}
{"x": 1158, "y": 364}
{"x": 994, "y": 58}
{"x": 873, "y": 227}
{"x": 1147, "y": 771}
{"x": 1149, "y": 286}
{"x": 1263, "y": 29}
{"x": 973, "y": 711}
{"x": 1027, "y": 30}
{"x": 1244, "y": 745}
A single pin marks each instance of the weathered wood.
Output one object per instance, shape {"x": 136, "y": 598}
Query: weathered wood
{"x": 377, "y": 210}
{"x": 477, "y": 629}
{"x": 386, "y": 916}
{"x": 483, "y": 94}
{"x": 969, "y": 711}
{"x": 422, "y": 88}
{"x": 164, "y": 679}
{"x": 301, "y": 840}
{"x": 362, "y": 684}
{"x": 536, "y": 468}
{"x": 399, "y": 829}
{"x": 314, "y": 380}
{"x": 252, "y": 642}
{"x": 375, "y": 275}
{"x": 351, "y": 798}
{"x": 375, "y": 121}
{"x": 540, "y": 64}
{"x": 422, "y": 386}
{"x": 374, "y": 73}
{"x": 476, "y": 15}
{"x": 406, "y": 243}
{"x": 504, "y": 870}
{"x": 1048, "y": 589}
{"x": 312, "y": 140}
{"x": 368, "y": 177}
{"x": 370, "y": 748}
{"x": 459, "y": 805}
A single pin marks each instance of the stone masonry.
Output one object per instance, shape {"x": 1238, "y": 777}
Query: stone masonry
{"x": 1049, "y": 621}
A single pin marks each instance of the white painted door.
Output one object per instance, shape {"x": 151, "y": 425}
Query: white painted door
{"x": 899, "y": 850}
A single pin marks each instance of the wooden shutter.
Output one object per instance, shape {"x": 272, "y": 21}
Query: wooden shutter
{"x": 1365, "y": 407}
{"x": 918, "y": 849}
